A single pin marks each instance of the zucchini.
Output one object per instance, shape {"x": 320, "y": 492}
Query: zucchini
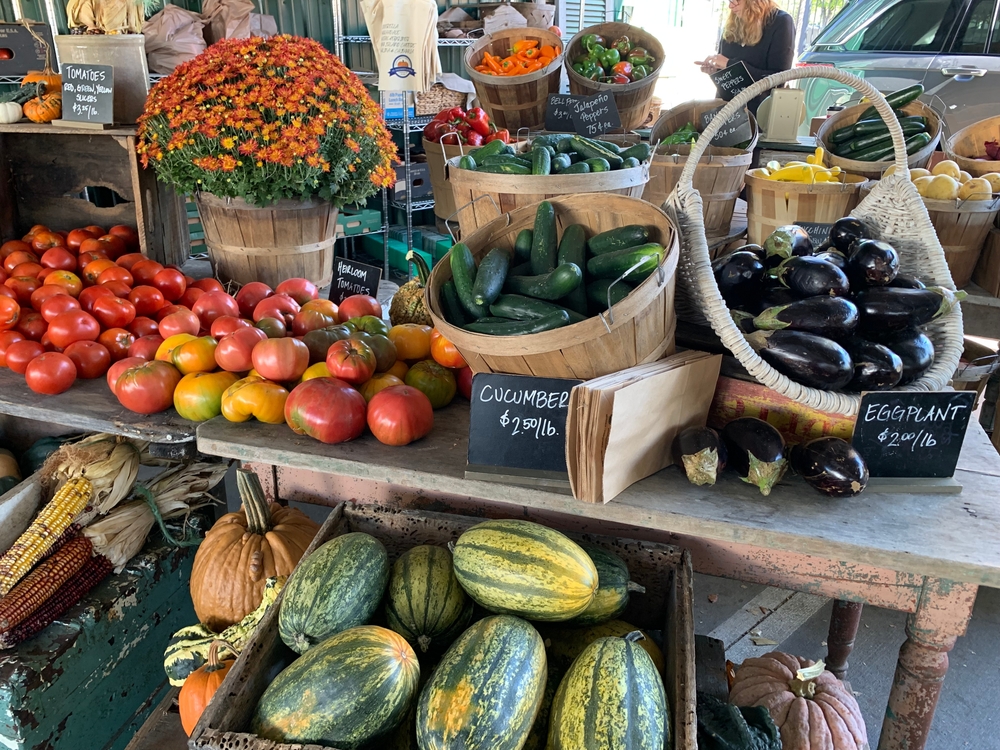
{"x": 561, "y": 163}
{"x": 463, "y": 271}
{"x": 870, "y": 127}
{"x": 453, "y": 311}
{"x": 878, "y": 153}
{"x": 916, "y": 142}
{"x": 882, "y": 152}
{"x": 543, "y": 242}
{"x": 521, "y": 269}
{"x": 618, "y": 239}
{"x": 842, "y": 135}
{"x": 590, "y": 150}
{"x": 630, "y": 163}
{"x": 505, "y": 169}
{"x": 597, "y": 293}
{"x": 541, "y": 161}
{"x": 522, "y": 327}
{"x": 490, "y": 277}
{"x": 614, "y": 264}
{"x": 522, "y": 245}
{"x": 519, "y": 307}
{"x": 897, "y": 100}
{"x": 639, "y": 152}
{"x": 579, "y": 168}
{"x": 490, "y": 149}
{"x": 467, "y": 162}
{"x": 553, "y": 285}
{"x": 573, "y": 249}
{"x": 598, "y": 165}
{"x": 871, "y": 139}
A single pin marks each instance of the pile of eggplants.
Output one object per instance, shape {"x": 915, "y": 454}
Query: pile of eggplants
{"x": 839, "y": 317}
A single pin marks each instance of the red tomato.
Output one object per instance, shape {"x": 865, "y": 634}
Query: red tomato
{"x": 145, "y": 271}
{"x": 400, "y": 414}
{"x": 118, "y": 369}
{"x": 56, "y": 305}
{"x": 47, "y": 344}
{"x": 145, "y": 347}
{"x": 41, "y": 276}
{"x": 45, "y": 292}
{"x": 85, "y": 258}
{"x": 74, "y": 325}
{"x": 32, "y": 325}
{"x": 190, "y": 296}
{"x": 183, "y": 321}
{"x": 463, "y": 378}
{"x": 12, "y": 246}
{"x": 359, "y": 305}
{"x": 44, "y": 240}
{"x": 208, "y": 285}
{"x": 274, "y": 328}
{"x": 74, "y": 238}
{"x": 6, "y": 339}
{"x": 113, "y": 246}
{"x": 118, "y": 288}
{"x": 18, "y": 257}
{"x": 93, "y": 270}
{"x": 235, "y": 351}
{"x": 280, "y": 359}
{"x": 168, "y": 310}
{"x": 90, "y": 295}
{"x": 113, "y": 312}
{"x": 127, "y": 234}
{"x": 143, "y": 326}
{"x": 95, "y": 230}
{"x": 226, "y": 325}
{"x": 147, "y": 299}
{"x": 300, "y": 290}
{"x": 10, "y": 313}
{"x": 279, "y": 306}
{"x": 212, "y": 305}
{"x": 129, "y": 260}
{"x": 20, "y": 353}
{"x": 6, "y": 291}
{"x": 148, "y": 388}
{"x": 92, "y": 359}
{"x": 171, "y": 284}
{"x": 326, "y": 409}
{"x": 50, "y": 373}
{"x": 350, "y": 360}
{"x": 67, "y": 280}
{"x": 59, "y": 258}
{"x": 445, "y": 353}
{"x": 3, "y": 276}
{"x": 250, "y": 294}
{"x": 27, "y": 269}
{"x": 117, "y": 341}
{"x": 311, "y": 320}
{"x": 116, "y": 273}
{"x": 23, "y": 286}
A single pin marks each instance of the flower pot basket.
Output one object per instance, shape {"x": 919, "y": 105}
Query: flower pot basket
{"x": 284, "y": 240}
{"x": 967, "y": 144}
{"x": 962, "y": 228}
{"x": 637, "y": 330}
{"x": 772, "y": 204}
{"x": 894, "y": 211}
{"x": 632, "y": 99}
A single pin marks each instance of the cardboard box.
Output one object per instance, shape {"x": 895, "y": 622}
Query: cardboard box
{"x": 24, "y": 52}
{"x": 420, "y": 182}
{"x": 394, "y": 104}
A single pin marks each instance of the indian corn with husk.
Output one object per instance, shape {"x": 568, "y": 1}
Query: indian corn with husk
{"x": 110, "y": 463}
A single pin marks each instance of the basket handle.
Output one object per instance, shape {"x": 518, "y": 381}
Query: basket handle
{"x": 458, "y": 140}
{"x": 465, "y": 206}
{"x": 945, "y": 130}
{"x": 766, "y": 84}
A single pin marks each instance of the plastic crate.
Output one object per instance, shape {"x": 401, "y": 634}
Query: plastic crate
{"x": 363, "y": 221}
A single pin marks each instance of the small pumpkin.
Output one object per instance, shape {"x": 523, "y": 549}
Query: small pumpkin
{"x": 408, "y": 302}
{"x": 44, "y": 108}
{"x": 10, "y": 112}
{"x": 8, "y": 465}
{"x": 201, "y": 685}
{"x": 242, "y": 550}
{"x": 809, "y": 705}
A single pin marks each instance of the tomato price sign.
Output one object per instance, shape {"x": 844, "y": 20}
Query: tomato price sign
{"x": 89, "y": 93}
{"x": 351, "y": 277}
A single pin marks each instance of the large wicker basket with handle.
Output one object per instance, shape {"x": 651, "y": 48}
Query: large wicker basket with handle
{"x": 893, "y": 209}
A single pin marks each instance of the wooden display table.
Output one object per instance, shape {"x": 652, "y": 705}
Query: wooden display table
{"x": 923, "y": 554}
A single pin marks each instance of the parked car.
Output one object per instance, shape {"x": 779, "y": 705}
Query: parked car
{"x": 952, "y": 47}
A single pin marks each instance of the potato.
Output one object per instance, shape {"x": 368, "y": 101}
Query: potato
{"x": 942, "y": 187}
{"x": 976, "y": 189}
{"x": 947, "y": 167}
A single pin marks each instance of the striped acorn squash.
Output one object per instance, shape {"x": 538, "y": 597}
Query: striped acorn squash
{"x": 610, "y": 699}
{"x": 485, "y": 693}
{"x": 352, "y": 687}
{"x": 563, "y": 644}
{"x": 339, "y": 586}
{"x": 425, "y": 602}
{"x": 522, "y": 568}
{"x": 611, "y": 597}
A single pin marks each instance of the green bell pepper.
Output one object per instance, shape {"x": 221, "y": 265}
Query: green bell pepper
{"x": 609, "y": 58}
{"x": 623, "y": 45}
{"x": 589, "y": 41}
{"x": 639, "y": 72}
{"x": 639, "y": 56}
{"x": 587, "y": 68}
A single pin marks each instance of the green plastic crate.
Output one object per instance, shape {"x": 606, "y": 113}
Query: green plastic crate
{"x": 364, "y": 221}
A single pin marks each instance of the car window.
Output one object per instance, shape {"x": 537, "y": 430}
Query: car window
{"x": 856, "y": 15}
{"x": 975, "y": 32}
{"x": 995, "y": 39}
{"x": 910, "y": 26}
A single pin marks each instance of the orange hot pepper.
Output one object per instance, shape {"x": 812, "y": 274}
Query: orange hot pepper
{"x": 254, "y": 397}
{"x": 548, "y": 51}
{"x": 530, "y": 54}
{"x": 492, "y": 63}
{"x": 525, "y": 44}
{"x": 508, "y": 65}
{"x": 544, "y": 61}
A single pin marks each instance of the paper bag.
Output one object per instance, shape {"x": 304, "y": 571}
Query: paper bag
{"x": 173, "y": 36}
{"x": 235, "y": 19}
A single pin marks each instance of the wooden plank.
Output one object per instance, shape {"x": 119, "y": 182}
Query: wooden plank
{"x": 46, "y": 129}
{"x": 8, "y": 202}
{"x": 162, "y": 730}
{"x": 710, "y": 667}
{"x": 921, "y": 534}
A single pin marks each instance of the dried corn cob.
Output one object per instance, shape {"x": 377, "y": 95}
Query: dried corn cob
{"x": 41, "y": 583}
{"x": 110, "y": 463}
{"x": 57, "y": 516}
{"x": 95, "y": 570}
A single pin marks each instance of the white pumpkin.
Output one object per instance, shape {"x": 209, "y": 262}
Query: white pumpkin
{"x": 9, "y": 112}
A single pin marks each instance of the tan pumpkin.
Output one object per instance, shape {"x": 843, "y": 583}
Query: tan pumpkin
{"x": 44, "y": 109}
{"x": 201, "y": 685}
{"x": 241, "y": 551}
{"x": 811, "y": 707}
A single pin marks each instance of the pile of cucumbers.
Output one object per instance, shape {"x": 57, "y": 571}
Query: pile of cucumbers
{"x": 868, "y": 139}
{"x": 547, "y": 282}
{"x": 560, "y": 153}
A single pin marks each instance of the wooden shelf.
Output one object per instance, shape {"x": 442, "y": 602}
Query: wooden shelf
{"x": 31, "y": 128}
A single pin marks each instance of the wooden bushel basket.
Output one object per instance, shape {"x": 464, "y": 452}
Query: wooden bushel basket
{"x": 515, "y": 102}
{"x": 285, "y": 240}
{"x": 437, "y": 155}
{"x": 874, "y": 169}
{"x": 962, "y": 228}
{"x": 632, "y": 99}
{"x": 637, "y": 330}
{"x": 718, "y": 177}
{"x": 965, "y": 145}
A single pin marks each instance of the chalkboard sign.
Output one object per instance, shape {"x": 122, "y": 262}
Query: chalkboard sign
{"x": 88, "y": 93}
{"x": 351, "y": 277}
{"x": 737, "y": 129}
{"x": 732, "y": 80}
{"x": 560, "y": 113}
{"x": 588, "y": 116}
{"x": 903, "y": 434}
{"x": 519, "y": 422}
{"x": 818, "y": 233}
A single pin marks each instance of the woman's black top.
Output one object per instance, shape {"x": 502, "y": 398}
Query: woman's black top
{"x": 772, "y": 54}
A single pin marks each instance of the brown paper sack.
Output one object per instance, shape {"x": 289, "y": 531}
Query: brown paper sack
{"x": 173, "y": 36}
{"x": 235, "y": 19}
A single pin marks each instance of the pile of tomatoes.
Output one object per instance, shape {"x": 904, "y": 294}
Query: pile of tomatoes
{"x": 86, "y": 304}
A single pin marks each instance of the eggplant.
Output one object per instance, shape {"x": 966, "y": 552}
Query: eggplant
{"x": 774, "y": 295}
{"x": 872, "y": 263}
{"x": 832, "y": 466}
{"x": 752, "y": 248}
{"x": 702, "y": 454}
{"x": 907, "y": 282}
{"x": 833, "y": 256}
{"x": 756, "y": 450}
{"x": 806, "y": 358}
{"x": 833, "y": 317}
{"x": 812, "y": 277}
{"x": 740, "y": 276}
{"x": 786, "y": 242}
{"x": 845, "y": 232}
{"x": 743, "y": 320}
{"x": 915, "y": 350}
{"x": 888, "y": 309}
{"x": 876, "y": 366}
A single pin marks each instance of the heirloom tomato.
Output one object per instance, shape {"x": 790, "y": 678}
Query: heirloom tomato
{"x": 399, "y": 415}
{"x": 326, "y": 409}
{"x": 319, "y": 341}
{"x": 463, "y": 379}
{"x": 118, "y": 369}
{"x": 350, "y": 360}
{"x": 399, "y": 369}
{"x": 358, "y": 305}
{"x": 198, "y": 395}
{"x": 235, "y": 351}
{"x": 283, "y": 360}
{"x": 92, "y": 359}
{"x": 50, "y": 373}
{"x": 227, "y": 324}
{"x": 273, "y": 328}
{"x": 325, "y": 306}
{"x": 279, "y": 306}
{"x": 412, "y": 340}
{"x": 212, "y": 305}
{"x": 436, "y": 382}
{"x": 379, "y": 382}
{"x": 145, "y": 347}
{"x": 368, "y": 324}
{"x": 166, "y": 351}
{"x": 310, "y": 320}
{"x": 148, "y": 388}
{"x": 182, "y": 321}
{"x": 445, "y": 353}
{"x": 300, "y": 290}
{"x": 318, "y": 370}
{"x": 250, "y": 294}
{"x": 254, "y": 397}
{"x": 195, "y": 356}
{"x": 385, "y": 350}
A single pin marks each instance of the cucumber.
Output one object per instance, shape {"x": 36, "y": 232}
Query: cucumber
{"x": 565, "y": 145}
{"x": 522, "y": 245}
{"x": 884, "y": 151}
{"x": 491, "y": 161}
{"x": 598, "y": 165}
{"x": 551, "y": 150}
{"x": 897, "y": 100}
{"x": 573, "y": 249}
{"x": 553, "y": 285}
{"x": 618, "y": 239}
{"x": 541, "y": 161}
{"x": 614, "y": 264}
{"x": 543, "y": 242}
{"x": 521, "y": 269}
{"x": 561, "y": 163}
{"x": 591, "y": 150}
{"x": 639, "y": 152}
{"x": 549, "y": 140}
{"x": 872, "y": 138}
{"x": 519, "y": 307}
{"x": 614, "y": 148}
{"x": 452, "y": 308}
{"x": 490, "y": 149}
{"x": 630, "y": 163}
{"x": 579, "y": 168}
{"x": 522, "y": 327}
{"x": 467, "y": 162}
{"x": 871, "y": 127}
{"x": 508, "y": 149}
{"x": 597, "y": 293}
{"x": 490, "y": 277}
{"x": 505, "y": 169}
{"x": 463, "y": 271}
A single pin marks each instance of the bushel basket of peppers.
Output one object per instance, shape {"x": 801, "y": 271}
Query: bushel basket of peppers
{"x": 470, "y": 128}
{"x": 618, "y": 61}
{"x": 526, "y": 56}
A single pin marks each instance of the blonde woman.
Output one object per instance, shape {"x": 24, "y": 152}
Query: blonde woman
{"x": 761, "y": 36}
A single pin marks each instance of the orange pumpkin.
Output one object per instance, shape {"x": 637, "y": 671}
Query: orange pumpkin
{"x": 44, "y": 109}
{"x": 201, "y": 685}
{"x": 51, "y": 79}
{"x": 241, "y": 551}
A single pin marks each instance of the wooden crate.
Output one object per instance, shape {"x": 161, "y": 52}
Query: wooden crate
{"x": 668, "y": 604}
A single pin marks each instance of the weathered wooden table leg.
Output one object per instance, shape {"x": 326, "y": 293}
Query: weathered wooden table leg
{"x": 844, "y": 622}
{"x": 943, "y": 613}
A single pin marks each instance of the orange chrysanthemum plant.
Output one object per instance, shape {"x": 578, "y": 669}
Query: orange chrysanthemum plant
{"x": 265, "y": 119}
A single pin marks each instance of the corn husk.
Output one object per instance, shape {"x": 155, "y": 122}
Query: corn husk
{"x": 110, "y": 463}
